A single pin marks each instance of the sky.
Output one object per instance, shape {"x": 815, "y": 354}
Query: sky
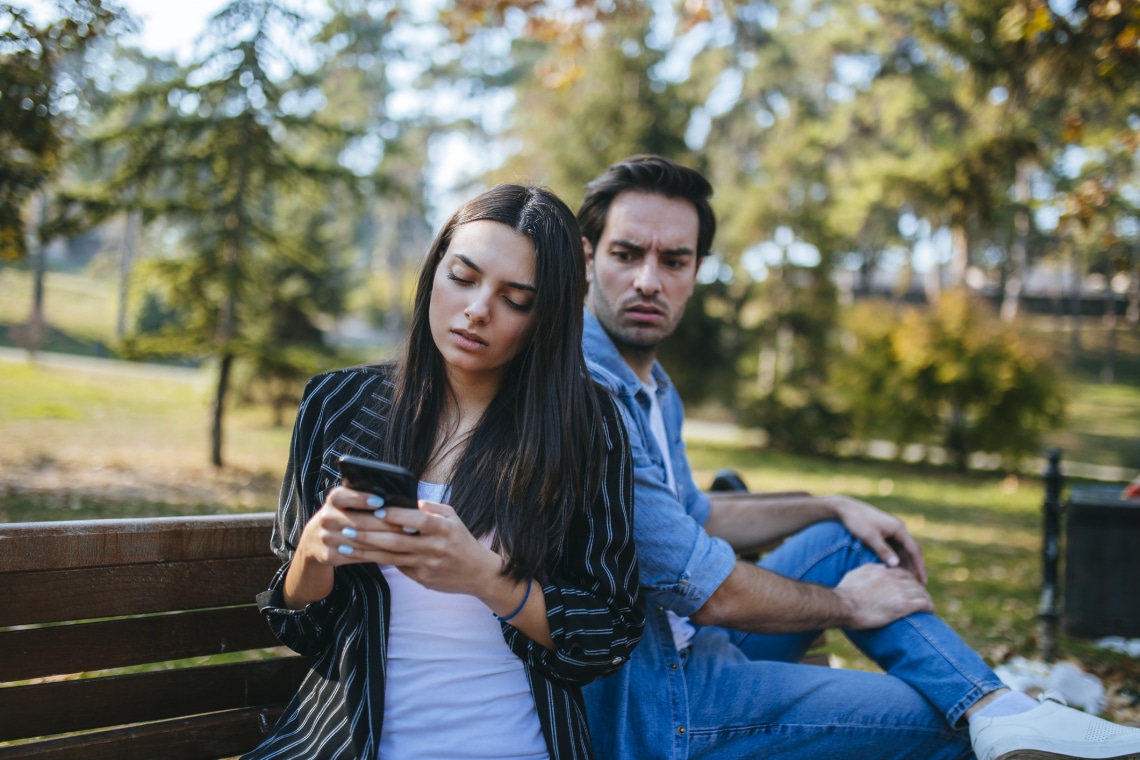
{"x": 170, "y": 26}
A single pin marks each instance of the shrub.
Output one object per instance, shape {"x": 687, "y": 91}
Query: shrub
{"x": 952, "y": 373}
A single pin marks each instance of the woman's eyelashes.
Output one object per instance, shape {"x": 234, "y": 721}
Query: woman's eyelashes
{"x": 523, "y": 307}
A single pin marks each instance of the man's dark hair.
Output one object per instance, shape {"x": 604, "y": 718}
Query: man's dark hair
{"x": 648, "y": 174}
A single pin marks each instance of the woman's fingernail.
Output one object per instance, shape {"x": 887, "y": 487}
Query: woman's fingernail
{"x": 348, "y": 531}
{"x": 345, "y": 549}
{"x": 410, "y": 530}
{"x": 380, "y": 514}
{"x": 375, "y": 501}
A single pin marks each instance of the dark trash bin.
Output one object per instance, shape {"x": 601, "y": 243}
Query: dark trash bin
{"x": 1102, "y": 563}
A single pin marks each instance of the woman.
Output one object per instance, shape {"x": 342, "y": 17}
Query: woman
{"x": 463, "y": 628}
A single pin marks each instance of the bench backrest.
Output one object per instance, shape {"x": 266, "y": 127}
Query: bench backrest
{"x": 120, "y": 595}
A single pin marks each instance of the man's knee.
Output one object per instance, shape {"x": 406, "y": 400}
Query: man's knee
{"x": 728, "y": 480}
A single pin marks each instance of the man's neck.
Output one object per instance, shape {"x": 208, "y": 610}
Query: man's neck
{"x": 640, "y": 360}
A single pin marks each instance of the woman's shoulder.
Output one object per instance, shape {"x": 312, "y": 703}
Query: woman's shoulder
{"x": 338, "y": 389}
{"x": 611, "y": 415}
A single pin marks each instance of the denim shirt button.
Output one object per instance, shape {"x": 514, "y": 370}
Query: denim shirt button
{"x": 617, "y": 661}
{"x": 681, "y": 730}
{"x": 672, "y": 666}
{"x": 660, "y": 608}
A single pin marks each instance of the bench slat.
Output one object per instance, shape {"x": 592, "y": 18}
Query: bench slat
{"x": 55, "y": 595}
{"x": 76, "y": 705}
{"x": 36, "y": 652}
{"x": 92, "y": 543}
{"x": 204, "y": 737}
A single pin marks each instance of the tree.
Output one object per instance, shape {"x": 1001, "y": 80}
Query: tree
{"x": 954, "y": 374}
{"x": 39, "y": 87}
{"x": 218, "y": 150}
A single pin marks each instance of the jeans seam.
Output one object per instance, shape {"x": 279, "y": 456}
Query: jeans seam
{"x": 977, "y": 686}
{"x": 835, "y": 547}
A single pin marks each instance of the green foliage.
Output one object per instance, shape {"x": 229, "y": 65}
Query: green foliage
{"x": 35, "y": 87}
{"x": 954, "y": 374}
{"x": 223, "y": 152}
{"x": 785, "y": 387}
{"x": 579, "y": 113}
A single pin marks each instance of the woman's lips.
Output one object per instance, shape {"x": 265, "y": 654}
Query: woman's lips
{"x": 468, "y": 340}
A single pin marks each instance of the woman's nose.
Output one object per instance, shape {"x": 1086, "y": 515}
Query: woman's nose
{"x": 478, "y": 310}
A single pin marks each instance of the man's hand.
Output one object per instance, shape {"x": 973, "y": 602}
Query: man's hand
{"x": 883, "y": 534}
{"x": 877, "y": 595}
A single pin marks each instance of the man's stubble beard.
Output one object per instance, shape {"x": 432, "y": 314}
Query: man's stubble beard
{"x": 627, "y": 340}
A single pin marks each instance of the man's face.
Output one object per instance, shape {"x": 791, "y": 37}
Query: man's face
{"x": 643, "y": 270}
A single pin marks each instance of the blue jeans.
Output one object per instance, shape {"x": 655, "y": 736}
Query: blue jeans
{"x": 747, "y": 697}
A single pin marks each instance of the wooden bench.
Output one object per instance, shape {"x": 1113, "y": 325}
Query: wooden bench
{"x": 106, "y": 633}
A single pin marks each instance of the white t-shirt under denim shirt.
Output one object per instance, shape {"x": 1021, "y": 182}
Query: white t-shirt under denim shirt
{"x": 455, "y": 690}
{"x": 683, "y": 630}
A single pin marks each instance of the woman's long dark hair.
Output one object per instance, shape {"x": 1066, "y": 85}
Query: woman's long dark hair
{"x": 532, "y": 459}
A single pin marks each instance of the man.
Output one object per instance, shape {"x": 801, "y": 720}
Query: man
{"x": 716, "y": 674}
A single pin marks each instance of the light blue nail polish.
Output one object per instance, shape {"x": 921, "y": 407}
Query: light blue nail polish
{"x": 348, "y": 531}
{"x": 375, "y": 501}
{"x": 380, "y": 514}
{"x": 345, "y": 549}
{"x": 413, "y": 531}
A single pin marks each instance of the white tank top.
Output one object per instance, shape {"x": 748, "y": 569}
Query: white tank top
{"x": 454, "y": 689}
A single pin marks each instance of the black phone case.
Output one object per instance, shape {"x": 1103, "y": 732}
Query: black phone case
{"x": 396, "y": 485}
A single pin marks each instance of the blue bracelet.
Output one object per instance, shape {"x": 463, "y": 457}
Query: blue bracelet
{"x": 521, "y": 605}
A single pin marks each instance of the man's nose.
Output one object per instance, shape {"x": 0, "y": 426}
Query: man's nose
{"x": 647, "y": 281}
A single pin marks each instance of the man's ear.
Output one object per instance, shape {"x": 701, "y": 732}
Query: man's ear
{"x": 589, "y": 251}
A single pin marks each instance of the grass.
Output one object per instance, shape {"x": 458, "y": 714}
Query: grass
{"x": 84, "y": 444}
{"x": 80, "y": 308}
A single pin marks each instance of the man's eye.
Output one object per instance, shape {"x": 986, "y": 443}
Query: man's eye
{"x": 675, "y": 263}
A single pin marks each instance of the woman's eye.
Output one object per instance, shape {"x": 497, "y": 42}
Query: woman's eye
{"x": 455, "y": 278}
{"x": 517, "y": 306}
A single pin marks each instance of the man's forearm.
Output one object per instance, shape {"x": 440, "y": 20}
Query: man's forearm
{"x": 748, "y": 521}
{"x": 759, "y": 601}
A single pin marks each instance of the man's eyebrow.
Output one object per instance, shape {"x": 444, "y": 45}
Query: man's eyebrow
{"x": 477, "y": 268}
{"x": 683, "y": 250}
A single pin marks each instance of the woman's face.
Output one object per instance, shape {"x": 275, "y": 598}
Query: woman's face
{"x": 483, "y": 300}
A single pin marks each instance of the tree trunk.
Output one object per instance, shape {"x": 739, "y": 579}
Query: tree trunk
{"x": 959, "y": 255}
{"x": 224, "y": 366}
{"x": 1074, "y": 308}
{"x": 33, "y": 339}
{"x": 1108, "y": 370}
{"x": 126, "y": 262}
{"x": 932, "y": 282}
{"x": 1019, "y": 251}
{"x": 1133, "y": 312}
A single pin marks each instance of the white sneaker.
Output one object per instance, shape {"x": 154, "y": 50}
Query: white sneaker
{"x": 1052, "y": 731}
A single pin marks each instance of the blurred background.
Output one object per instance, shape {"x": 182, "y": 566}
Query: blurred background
{"x": 927, "y": 269}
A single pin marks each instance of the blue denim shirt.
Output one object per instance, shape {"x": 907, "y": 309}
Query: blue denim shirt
{"x": 642, "y": 710}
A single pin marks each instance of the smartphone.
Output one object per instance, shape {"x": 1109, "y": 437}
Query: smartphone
{"x": 396, "y": 485}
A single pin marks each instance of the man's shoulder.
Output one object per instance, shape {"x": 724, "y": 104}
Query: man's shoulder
{"x": 605, "y": 375}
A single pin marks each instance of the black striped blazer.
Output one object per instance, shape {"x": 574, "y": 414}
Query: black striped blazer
{"x": 591, "y": 599}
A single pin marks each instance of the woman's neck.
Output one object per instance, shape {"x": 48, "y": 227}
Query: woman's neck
{"x": 470, "y": 396}
{"x": 466, "y": 404}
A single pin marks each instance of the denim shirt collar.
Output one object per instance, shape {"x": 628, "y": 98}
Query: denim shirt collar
{"x": 609, "y": 366}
